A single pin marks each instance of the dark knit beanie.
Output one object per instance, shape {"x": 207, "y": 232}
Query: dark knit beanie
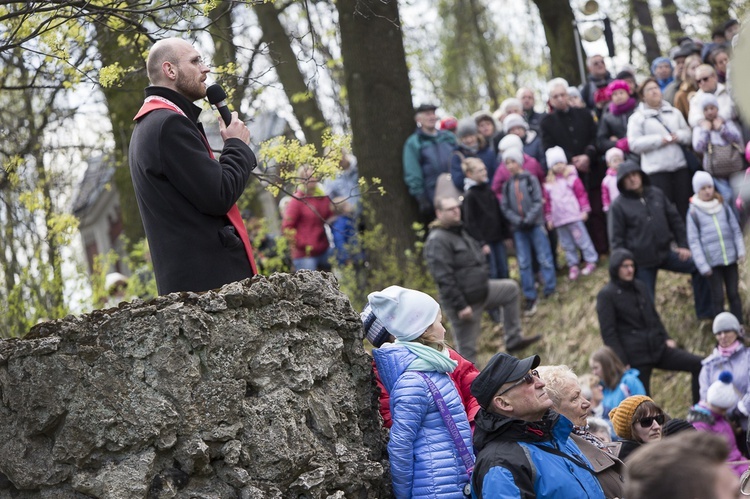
{"x": 375, "y": 331}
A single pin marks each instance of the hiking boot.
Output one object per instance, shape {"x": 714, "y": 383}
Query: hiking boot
{"x": 573, "y": 273}
{"x": 588, "y": 269}
{"x": 523, "y": 343}
{"x": 529, "y": 308}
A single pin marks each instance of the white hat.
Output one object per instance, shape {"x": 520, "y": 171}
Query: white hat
{"x": 726, "y": 321}
{"x": 555, "y": 155}
{"x": 514, "y": 153}
{"x": 700, "y": 179}
{"x": 513, "y": 120}
{"x": 112, "y": 279}
{"x": 405, "y": 313}
{"x": 509, "y": 141}
{"x": 721, "y": 393}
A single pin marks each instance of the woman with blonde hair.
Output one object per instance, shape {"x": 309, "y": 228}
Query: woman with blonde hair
{"x": 430, "y": 447}
{"x": 689, "y": 86}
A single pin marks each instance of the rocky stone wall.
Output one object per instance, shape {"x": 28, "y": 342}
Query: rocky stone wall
{"x": 259, "y": 390}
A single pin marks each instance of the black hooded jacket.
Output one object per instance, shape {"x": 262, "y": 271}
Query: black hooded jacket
{"x": 628, "y": 321}
{"x": 645, "y": 223}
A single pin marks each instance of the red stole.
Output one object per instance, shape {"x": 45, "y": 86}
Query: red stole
{"x": 153, "y": 102}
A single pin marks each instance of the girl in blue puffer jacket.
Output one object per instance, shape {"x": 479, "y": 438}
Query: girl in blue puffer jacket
{"x": 425, "y": 460}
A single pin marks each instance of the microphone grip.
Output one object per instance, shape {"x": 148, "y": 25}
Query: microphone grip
{"x": 225, "y": 114}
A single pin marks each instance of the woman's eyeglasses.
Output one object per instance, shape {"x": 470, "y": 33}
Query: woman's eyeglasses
{"x": 528, "y": 379}
{"x": 647, "y": 422}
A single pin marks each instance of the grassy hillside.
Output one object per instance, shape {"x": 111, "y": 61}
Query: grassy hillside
{"x": 571, "y": 331}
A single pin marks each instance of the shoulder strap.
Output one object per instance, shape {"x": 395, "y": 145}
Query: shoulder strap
{"x": 466, "y": 456}
{"x": 658, "y": 118}
{"x": 694, "y": 216}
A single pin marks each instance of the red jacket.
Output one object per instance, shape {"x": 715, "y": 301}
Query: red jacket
{"x": 307, "y": 217}
{"x": 462, "y": 377}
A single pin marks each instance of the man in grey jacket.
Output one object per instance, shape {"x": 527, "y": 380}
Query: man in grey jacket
{"x": 459, "y": 267}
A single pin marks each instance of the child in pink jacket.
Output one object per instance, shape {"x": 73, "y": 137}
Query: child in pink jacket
{"x": 566, "y": 207}
{"x": 614, "y": 158}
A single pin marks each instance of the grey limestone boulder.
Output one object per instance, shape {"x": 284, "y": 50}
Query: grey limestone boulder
{"x": 261, "y": 389}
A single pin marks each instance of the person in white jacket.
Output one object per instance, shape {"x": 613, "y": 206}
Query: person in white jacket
{"x": 655, "y": 131}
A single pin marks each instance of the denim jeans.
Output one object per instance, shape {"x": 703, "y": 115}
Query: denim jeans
{"x": 498, "y": 260}
{"x": 724, "y": 188}
{"x": 320, "y": 262}
{"x": 534, "y": 238}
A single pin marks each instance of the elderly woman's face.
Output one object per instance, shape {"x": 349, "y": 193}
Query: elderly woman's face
{"x": 573, "y": 405}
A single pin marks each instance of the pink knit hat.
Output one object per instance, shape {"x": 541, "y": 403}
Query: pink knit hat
{"x": 618, "y": 85}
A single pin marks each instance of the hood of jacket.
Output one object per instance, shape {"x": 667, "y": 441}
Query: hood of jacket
{"x": 629, "y": 166}
{"x": 392, "y": 360}
{"x": 490, "y": 426}
{"x": 615, "y": 260}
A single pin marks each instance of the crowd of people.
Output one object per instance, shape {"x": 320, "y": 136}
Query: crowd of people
{"x": 518, "y": 428}
{"x": 646, "y": 170}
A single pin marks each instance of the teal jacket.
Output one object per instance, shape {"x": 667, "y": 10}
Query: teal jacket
{"x": 425, "y": 158}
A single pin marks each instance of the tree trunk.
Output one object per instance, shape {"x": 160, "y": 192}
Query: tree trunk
{"x": 669, "y": 11}
{"x": 643, "y": 14}
{"x": 258, "y": 199}
{"x": 478, "y": 12}
{"x": 719, "y": 11}
{"x": 225, "y": 51}
{"x": 557, "y": 19}
{"x": 122, "y": 103}
{"x": 381, "y": 110}
{"x": 302, "y": 99}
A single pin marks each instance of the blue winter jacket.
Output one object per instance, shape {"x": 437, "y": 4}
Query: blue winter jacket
{"x": 629, "y": 385}
{"x": 424, "y": 459}
{"x": 511, "y": 463}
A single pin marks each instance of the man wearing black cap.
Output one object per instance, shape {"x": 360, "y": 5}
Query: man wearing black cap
{"x": 523, "y": 448}
{"x": 427, "y": 154}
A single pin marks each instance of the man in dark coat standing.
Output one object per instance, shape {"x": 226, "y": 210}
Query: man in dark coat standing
{"x": 186, "y": 197}
{"x": 631, "y": 326}
{"x": 574, "y": 130}
{"x": 645, "y": 222}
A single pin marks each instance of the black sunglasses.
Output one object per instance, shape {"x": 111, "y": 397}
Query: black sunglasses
{"x": 528, "y": 379}
{"x": 647, "y": 422}
{"x": 705, "y": 78}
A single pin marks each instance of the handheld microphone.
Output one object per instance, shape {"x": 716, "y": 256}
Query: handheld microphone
{"x": 217, "y": 97}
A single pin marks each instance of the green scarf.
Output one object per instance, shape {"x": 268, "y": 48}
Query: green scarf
{"x": 429, "y": 359}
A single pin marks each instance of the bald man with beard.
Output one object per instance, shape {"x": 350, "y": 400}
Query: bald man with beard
{"x": 186, "y": 196}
